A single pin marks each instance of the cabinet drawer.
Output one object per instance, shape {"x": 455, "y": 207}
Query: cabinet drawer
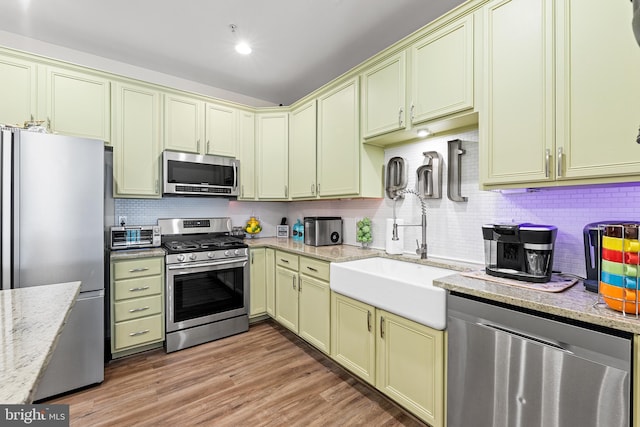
{"x": 314, "y": 268}
{"x": 135, "y": 308}
{"x": 137, "y": 332}
{"x": 137, "y": 268}
{"x": 134, "y": 288}
{"x": 287, "y": 260}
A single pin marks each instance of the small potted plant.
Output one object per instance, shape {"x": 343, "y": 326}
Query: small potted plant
{"x": 363, "y": 232}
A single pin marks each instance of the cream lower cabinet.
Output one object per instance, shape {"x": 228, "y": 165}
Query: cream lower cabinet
{"x": 410, "y": 365}
{"x": 257, "y": 282}
{"x": 353, "y": 340}
{"x": 287, "y": 290}
{"x": 270, "y": 281}
{"x": 401, "y": 358}
{"x": 137, "y": 305}
{"x": 136, "y": 141}
{"x": 303, "y": 302}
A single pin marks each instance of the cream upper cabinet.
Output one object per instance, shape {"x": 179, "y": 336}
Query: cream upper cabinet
{"x": 598, "y": 91}
{"x": 183, "y": 123}
{"x": 384, "y": 106}
{"x": 302, "y": 151}
{"x": 442, "y": 66}
{"x": 136, "y": 141}
{"x": 516, "y": 119}
{"x": 272, "y": 140}
{"x": 258, "y": 289}
{"x": 18, "y": 90}
{"x": 77, "y": 103}
{"x": 247, "y": 154}
{"x": 338, "y": 141}
{"x": 566, "y": 119}
{"x": 353, "y": 340}
{"x": 221, "y": 130}
{"x": 410, "y": 366}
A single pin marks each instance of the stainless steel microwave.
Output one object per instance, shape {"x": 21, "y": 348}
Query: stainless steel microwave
{"x": 200, "y": 175}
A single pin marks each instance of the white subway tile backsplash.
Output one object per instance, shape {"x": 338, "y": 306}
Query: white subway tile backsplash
{"x": 453, "y": 228}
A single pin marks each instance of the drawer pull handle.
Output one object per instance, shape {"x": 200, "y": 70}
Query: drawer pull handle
{"x": 381, "y": 327}
{"x": 368, "y": 321}
{"x": 284, "y": 260}
{"x": 135, "y": 310}
{"x": 135, "y": 334}
{"x": 143, "y": 288}
{"x": 312, "y": 269}
{"x": 138, "y": 270}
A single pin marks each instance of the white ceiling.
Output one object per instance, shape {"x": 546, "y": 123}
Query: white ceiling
{"x": 298, "y": 45}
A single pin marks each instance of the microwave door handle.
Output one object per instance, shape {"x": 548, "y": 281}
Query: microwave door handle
{"x": 235, "y": 175}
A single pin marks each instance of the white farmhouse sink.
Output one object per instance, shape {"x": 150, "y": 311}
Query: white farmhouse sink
{"x": 403, "y": 288}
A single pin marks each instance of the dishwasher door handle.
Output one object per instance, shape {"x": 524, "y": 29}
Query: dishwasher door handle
{"x": 525, "y": 336}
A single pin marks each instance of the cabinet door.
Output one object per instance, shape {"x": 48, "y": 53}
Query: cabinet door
{"x": 442, "y": 72}
{"x": 247, "y": 156}
{"x": 353, "y": 343}
{"x": 383, "y": 97}
{"x": 18, "y": 91}
{"x": 287, "y": 298}
{"x": 598, "y": 90}
{"x": 77, "y": 103}
{"x": 136, "y": 145}
{"x": 410, "y": 366}
{"x": 302, "y": 152}
{"x": 315, "y": 312}
{"x": 516, "y": 120}
{"x": 221, "y": 130}
{"x": 272, "y": 139}
{"x": 338, "y": 141}
{"x": 257, "y": 288}
{"x": 270, "y": 281}
{"x": 183, "y": 123}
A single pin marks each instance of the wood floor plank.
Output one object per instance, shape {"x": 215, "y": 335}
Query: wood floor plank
{"x": 265, "y": 377}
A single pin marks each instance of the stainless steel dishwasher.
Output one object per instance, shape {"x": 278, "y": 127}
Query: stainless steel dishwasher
{"x": 510, "y": 368}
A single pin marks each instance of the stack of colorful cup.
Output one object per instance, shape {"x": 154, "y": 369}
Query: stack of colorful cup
{"x": 619, "y": 277}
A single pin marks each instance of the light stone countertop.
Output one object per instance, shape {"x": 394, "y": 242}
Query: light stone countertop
{"x": 31, "y": 320}
{"x": 574, "y": 303}
{"x": 136, "y": 253}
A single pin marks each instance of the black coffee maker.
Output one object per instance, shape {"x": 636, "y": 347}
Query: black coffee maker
{"x": 519, "y": 251}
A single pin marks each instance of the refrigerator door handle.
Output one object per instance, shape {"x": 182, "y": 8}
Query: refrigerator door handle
{"x": 5, "y": 208}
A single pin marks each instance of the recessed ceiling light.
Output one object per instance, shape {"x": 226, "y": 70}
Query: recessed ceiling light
{"x": 242, "y": 47}
{"x": 423, "y": 132}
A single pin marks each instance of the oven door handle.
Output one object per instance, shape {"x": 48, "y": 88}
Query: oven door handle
{"x": 206, "y": 264}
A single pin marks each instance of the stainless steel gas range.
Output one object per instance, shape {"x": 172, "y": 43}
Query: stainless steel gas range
{"x": 207, "y": 281}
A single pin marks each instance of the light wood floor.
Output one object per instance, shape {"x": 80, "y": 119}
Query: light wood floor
{"x": 265, "y": 377}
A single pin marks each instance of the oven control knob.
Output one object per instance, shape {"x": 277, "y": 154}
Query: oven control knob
{"x": 210, "y": 254}
{"x": 193, "y": 257}
{"x": 180, "y": 258}
{"x": 227, "y": 253}
{"x": 236, "y": 252}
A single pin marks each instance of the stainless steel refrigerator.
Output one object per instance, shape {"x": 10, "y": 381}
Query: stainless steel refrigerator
{"x": 53, "y": 231}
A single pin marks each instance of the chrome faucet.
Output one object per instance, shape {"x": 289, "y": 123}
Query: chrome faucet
{"x": 421, "y": 247}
